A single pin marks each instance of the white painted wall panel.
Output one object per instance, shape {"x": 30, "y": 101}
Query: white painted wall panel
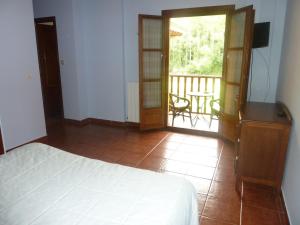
{"x": 288, "y": 92}
{"x": 21, "y": 106}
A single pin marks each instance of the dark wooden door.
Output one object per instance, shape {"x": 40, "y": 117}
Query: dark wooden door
{"x": 49, "y": 66}
{"x": 1, "y": 144}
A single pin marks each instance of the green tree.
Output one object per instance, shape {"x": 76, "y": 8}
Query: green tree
{"x": 200, "y": 48}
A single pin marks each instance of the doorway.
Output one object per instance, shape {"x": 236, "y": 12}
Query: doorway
{"x": 49, "y": 68}
{"x": 156, "y": 92}
{"x": 196, "y": 51}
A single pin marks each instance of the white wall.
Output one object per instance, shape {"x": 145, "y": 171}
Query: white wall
{"x": 266, "y": 10}
{"x": 288, "y": 92}
{"x": 90, "y": 40}
{"x": 266, "y": 61}
{"x": 21, "y": 106}
{"x": 73, "y": 95}
{"x": 103, "y": 31}
{"x": 106, "y": 50}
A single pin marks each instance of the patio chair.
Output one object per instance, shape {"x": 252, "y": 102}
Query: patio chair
{"x": 215, "y": 110}
{"x": 179, "y": 106}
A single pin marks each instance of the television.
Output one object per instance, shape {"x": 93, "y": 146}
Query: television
{"x": 261, "y": 35}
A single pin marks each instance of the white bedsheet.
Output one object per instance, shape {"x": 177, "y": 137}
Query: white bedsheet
{"x": 43, "y": 185}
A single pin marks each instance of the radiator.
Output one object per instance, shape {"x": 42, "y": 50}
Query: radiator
{"x": 133, "y": 109}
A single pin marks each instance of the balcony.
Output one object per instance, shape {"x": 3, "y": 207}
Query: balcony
{"x": 188, "y": 86}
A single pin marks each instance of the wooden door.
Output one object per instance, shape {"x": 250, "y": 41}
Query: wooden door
{"x": 151, "y": 72}
{"x": 236, "y": 69}
{"x": 49, "y": 66}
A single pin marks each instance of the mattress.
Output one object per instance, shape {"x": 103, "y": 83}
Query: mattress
{"x": 40, "y": 184}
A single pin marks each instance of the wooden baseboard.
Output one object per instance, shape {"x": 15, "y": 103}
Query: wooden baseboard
{"x": 132, "y": 124}
{"x": 101, "y": 122}
{"x": 77, "y": 122}
{"x": 107, "y": 122}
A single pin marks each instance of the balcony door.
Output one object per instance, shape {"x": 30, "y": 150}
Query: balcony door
{"x": 154, "y": 65}
{"x": 236, "y": 68}
{"x": 151, "y": 72}
{"x": 194, "y": 50}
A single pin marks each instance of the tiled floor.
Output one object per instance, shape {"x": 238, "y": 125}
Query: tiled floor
{"x": 206, "y": 162}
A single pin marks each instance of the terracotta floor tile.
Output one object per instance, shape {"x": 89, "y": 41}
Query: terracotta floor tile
{"x": 203, "y": 141}
{"x": 133, "y": 147}
{"x": 207, "y": 221}
{"x": 174, "y": 137}
{"x": 200, "y": 150}
{"x": 201, "y": 185}
{"x": 201, "y": 171}
{"x": 225, "y": 174}
{"x": 226, "y": 162}
{"x": 169, "y": 144}
{"x": 254, "y": 216}
{"x": 229, "y": 150}
{"x": 227, "y": 211}
{"x": 131, "y": 158}
{"x": 176, "y": 166}
{"x": 194, "y": 158}
{"x": 83, "y": 150}
{"x": 163, "y": 152}
{"x": 224, "y": 191}
{"x": 152, "y": 163}
{"x": 201, "y": 202}
{"x": 112, "y": 155}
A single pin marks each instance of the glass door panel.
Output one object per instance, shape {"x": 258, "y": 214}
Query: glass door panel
{"x": 237, "y": 30}
{"x": 232, "y": 96}
{"x": 152, "y": 95}
{"x": 152, "y": 65}
{"x": 234, "y": 66}
{"x": 152, "y": 33}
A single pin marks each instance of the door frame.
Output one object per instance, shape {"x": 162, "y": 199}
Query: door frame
{"x": 189, "y": 12}
{"x": 50, "y": 19}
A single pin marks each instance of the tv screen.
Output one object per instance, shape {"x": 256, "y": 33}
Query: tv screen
{"x": 261, "y": 35}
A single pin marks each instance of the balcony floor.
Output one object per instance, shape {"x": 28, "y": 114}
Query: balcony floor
{"x": 201, "y": 124}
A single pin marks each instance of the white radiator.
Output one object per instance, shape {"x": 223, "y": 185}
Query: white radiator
{"x": 133, "y": 108}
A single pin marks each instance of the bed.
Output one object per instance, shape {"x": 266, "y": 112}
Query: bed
{"x": 43, "y": 185}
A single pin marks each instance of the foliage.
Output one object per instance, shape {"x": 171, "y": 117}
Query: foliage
{"x": 200, "y": 48}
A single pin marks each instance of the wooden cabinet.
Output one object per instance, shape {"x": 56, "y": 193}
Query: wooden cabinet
{"x": 1, "y": 144}
{"x": 262, "y": 144}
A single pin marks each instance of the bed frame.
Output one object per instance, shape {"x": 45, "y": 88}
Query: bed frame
{"x": 1, "y": 144}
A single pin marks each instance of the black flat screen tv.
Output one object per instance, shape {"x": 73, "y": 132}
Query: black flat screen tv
{"x": 261, "y": 35}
